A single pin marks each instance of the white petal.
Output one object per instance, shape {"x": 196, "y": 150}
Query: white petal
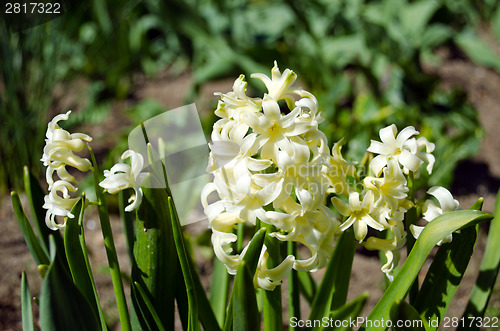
{"x": 409, "y": 160}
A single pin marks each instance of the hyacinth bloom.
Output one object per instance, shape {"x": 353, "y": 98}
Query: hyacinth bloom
{"x": 59, "y": 204}
{"x": 60, "y": 146}
{"x": 403, "y": 148}
{"x": 359, "y": 214}
{"x": 262, "y": 158}
{"x": 59, "y": 150}
{"x": 275, "y": 167}
{"x": 122, "y": 176}
{"x": 430, "y": 210}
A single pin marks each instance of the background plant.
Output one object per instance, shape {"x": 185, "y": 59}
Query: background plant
{"x": 362, "y": 59}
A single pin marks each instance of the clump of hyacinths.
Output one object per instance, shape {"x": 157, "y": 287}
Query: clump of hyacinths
{"x": 275, "y": 166}
{"x": 272, "y": 169}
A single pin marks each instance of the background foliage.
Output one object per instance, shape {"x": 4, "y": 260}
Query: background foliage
{"x": 364, "y": 59}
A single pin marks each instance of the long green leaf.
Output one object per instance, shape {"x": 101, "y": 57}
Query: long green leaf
{"x": 405, "y": 313}
{"x": 488, "y": 271}
{"x": 272, "y": 311}
{"x": 35, "y": 197}
{"x": 307, "y": 286}
{"x": 34, "y": 246}
{"x": 445, "y": 274}
{"x": 181, "y": 298}
{"x": 193, "y": 323}
{"x": 62, "y": 305}
{"x": 109, "y": 244}
{"x": 246, "y": 314}
{"x": 219, "y": 288}
{"x": 251, "y": 259}
{"x": 293, "y": 287}
{"x": 76, "y": 253}
{"x": 155, "y": 260}
{"x": 478, "y": 51}
{"x": 430, "y": 236}
{"x": 26, "y": 311}
{"x": 341, "y": 318}
{"x": 332, "y": 292}
{"x": 127, "y": 223}
{"x": 150, "y": 306}
{"x": 205, "y": 311}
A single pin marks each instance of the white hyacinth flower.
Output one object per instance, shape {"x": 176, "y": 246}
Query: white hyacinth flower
{"x": 59, "y": 152}
{"x": 122, "y": 176}
{"x": 59, "y": 203}
{"x": 263, "y": 159}
{"x": 403, "y": 148}
{"x": 359, "y": 214}
{"x": 430, "y": 210}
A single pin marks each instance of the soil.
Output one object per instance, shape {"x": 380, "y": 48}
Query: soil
{"x": 482, "y": 86}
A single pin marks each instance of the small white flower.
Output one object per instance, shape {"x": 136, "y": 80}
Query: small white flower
{"x": 390, "y": 247}
{"x": 390, "y": 189}
{"x": 402, "y": 148}
{"x": 59, "y": 150}
{"x": 58, "y": 153}
{"x": 279, "y": 85}
{"x": 122, "y": 176}
{"x": 430, "y": 210}
{"x": 359, "y": 214}
{"x": 59, "y": 204}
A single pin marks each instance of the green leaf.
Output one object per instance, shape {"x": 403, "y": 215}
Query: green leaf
{"x": 205, "y": 312}
{"x": 415, "y": 16}
{"x": 127, "y": 223}
{"x": 181, "y": 298}
{"x": 430, "y": 236}
{"x": 27, "y": 312}
{"x": 445, "y": 274}
{"x": 251, "y": 259}
{"x": 246, "y": 314}
{"x": 348, "y": 312}
{"x": 34, "y": 245}
{"x": 307, "y": 286}
{"x": 293, "y": 287}
{"x": 155, "y": 259}
{"x": 272, "y": 307}
{"x": 150, "y": 306}
{"x": 405, "y": 313}
{"x": 332, "y": 292}
{"x": 109, "y": 244}
{"x": 488, "y": 272}
{"x": 62, "y": 305}
{"x": 219, "y": 288}
{"x": 435, "y": 35}
{"x": 477, "y": 50}
{"x": 35, "y": 197}
{"x": 76, "y": 253}
{"x": 193, "y": 323}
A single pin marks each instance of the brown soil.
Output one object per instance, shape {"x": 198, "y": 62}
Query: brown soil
{"x": 482, "y": 86}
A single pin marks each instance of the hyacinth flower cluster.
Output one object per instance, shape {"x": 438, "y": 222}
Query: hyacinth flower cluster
{"x": 58, "y": 153}
{"x": 271, "y": 163}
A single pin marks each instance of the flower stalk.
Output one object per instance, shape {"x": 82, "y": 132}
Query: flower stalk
{"x": 109, "y": 243}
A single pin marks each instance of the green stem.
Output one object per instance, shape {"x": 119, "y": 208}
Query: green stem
{"x": 272, "y": 311}
{"x": 109, "y": 243}
{"x": 293, "y": 287}
{"x": 411, "y": 218}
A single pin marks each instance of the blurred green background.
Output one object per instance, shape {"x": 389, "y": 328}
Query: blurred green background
{"x": 364, "y": 60}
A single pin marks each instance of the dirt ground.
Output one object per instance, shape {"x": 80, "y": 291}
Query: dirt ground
{"x": 482, "y": 86}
